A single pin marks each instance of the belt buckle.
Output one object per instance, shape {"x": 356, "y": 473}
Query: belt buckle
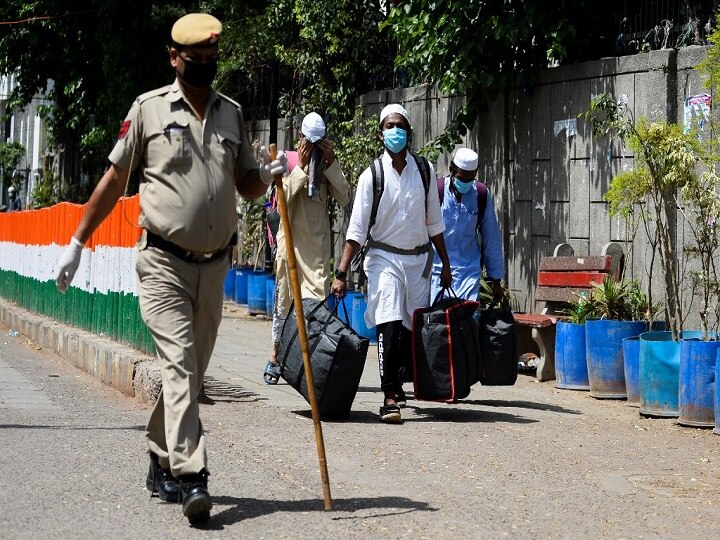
{"x": 199, "y": 257}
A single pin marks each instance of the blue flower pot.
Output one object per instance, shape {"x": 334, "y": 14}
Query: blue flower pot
{"x": 257, "y": 293}
{"x": 604, "y": 350}
{"x": 696, "y": 399}
{"x": 631, "y": 357}
{"x": 571, "y": 371}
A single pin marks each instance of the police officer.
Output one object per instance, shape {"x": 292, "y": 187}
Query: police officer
{"x": 191, "y": 148}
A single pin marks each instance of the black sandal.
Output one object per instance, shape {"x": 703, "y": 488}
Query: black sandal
{"x": 271, "y": 375}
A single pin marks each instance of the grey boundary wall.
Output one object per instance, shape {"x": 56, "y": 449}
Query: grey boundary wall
{"x": 548, "y": 183}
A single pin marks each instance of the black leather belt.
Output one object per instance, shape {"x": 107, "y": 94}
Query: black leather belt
{"x": 153, "y": 240}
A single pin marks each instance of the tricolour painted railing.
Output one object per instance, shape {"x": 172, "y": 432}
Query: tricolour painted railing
{"x": 103, "y": 296}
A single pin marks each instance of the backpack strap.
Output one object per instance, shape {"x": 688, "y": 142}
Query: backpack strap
{"x": 482, "y": 192}
{"x": 423, "y": 166}
{"x": 378, "y": 177}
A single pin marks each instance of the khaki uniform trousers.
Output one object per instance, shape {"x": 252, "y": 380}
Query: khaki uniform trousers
{"x": 181, "y": 304}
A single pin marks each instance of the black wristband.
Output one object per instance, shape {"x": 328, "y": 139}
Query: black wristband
{"x": 340, "y": 274}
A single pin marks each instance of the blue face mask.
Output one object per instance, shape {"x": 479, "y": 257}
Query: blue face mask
{"x": 462, "y": 187}
{"x": 395, "y": 139}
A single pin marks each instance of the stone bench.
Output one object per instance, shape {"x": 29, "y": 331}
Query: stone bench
{"x": 561, "y": 278}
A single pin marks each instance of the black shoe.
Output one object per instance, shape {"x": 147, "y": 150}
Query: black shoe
{"x": 390, "y": 414}
{"x": 203, "y": 398}
{"x": 162, "y": 482}
{"x": 195, "y": 497}
{"x": 400, "y": 398}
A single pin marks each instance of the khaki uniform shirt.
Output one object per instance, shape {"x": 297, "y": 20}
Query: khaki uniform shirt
{"x": 189, "y": 167}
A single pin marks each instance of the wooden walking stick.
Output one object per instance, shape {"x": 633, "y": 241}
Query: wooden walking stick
{"x": 302, "y": 334}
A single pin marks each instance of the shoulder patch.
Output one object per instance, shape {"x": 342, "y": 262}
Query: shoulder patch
{"x": 124, "y": 128}
{"x": 230, "y": 100}
{"x": 153, "y": 93}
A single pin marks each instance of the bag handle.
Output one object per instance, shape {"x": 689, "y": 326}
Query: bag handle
{"x": 336, "y": 309}
{"x": 441, "y": 294}
{"x": 475, "y": 345}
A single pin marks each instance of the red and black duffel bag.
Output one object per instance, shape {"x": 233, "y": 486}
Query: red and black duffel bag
{"x": 446, "y": 349}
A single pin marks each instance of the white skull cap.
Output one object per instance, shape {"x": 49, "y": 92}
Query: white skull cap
{"x": 11, "y": 189}
{"x": 313, "y": 127}
{"x": 466, "y": 159}
{"x": 393, "y": 108}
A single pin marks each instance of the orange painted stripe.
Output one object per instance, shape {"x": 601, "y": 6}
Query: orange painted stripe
{"x": 56, "y": 225}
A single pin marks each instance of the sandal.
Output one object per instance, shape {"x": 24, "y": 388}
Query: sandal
{"x": 271, "y": 375}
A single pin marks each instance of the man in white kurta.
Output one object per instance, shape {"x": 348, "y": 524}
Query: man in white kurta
{"x": 310, "y": 222}
{"x": 398, "y": 283}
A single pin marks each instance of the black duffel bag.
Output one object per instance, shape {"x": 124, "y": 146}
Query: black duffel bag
{"x": 446, "y": 352}
{"x": 337, "y": 354}
{"x": 499, "y": 345}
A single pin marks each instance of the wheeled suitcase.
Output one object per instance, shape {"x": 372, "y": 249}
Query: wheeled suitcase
{"x": 337, "y": 354}
{"x": 446, "y": 350}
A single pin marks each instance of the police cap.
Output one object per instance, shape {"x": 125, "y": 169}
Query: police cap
{"x": 196, "y": 30}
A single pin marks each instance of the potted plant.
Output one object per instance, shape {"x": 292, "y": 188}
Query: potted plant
{"x": 700, "y": 208}
{"x": 571, "y": 372}
{"x": 619, "y": 311}
{"x": 665, "y": 160}
{"x": 250, "y": 276}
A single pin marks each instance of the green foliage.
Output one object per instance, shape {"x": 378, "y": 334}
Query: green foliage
{"x": 710, "y": 65}
{"x": 99, "y": 55}
{"x": 476, "y": 48}
{"x": 45, "y": 193}
{"x": 581, "y": 308}
{"x": 332, "y": 48}
{"x": 608, "y": 117}
{"x": 327, "y": 52}
{"x": 11, "y": 154}
{"x": 612, "y": 299}
{"x": 665, "y": 161}
{"x": 252, "y": 235}
{"x": 618, "y": 300}
{"x": 94, "y": 148}
{"x": 486, "y": 295}
{"x": 252, "y": 231}
{"x": 357, "y": 145}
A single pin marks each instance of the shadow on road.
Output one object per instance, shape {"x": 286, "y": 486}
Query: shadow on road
{"x": 355, "y": 417}
{"x": 456, "y": 414}
{"x": 227, "y": 393}
{"x": 521, "y": 405}
{"x": 429, "y": 413}
{"x": 29, "y": 426}
{"x": 241, "y": 509}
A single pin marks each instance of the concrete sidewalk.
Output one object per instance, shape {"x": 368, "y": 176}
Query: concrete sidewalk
{"x": 236, "y": 368}
{"x": 243, "y": 349}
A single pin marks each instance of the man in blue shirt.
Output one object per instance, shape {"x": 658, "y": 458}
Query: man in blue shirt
{"x": 470, "y": 248}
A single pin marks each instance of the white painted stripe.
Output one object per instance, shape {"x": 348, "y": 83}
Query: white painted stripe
{"x": 107, "y": 269}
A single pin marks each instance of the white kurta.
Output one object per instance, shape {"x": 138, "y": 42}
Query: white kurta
{"x": 396, "y": 287}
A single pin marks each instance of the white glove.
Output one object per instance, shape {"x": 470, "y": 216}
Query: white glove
{"x": 69, "y": 263}
{"x": 270, "y": 169}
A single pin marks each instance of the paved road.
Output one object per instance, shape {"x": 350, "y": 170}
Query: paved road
{"x": 529, "y": 461}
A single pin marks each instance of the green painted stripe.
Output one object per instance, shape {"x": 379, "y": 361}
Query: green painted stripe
{"x": 115, "y": 315}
